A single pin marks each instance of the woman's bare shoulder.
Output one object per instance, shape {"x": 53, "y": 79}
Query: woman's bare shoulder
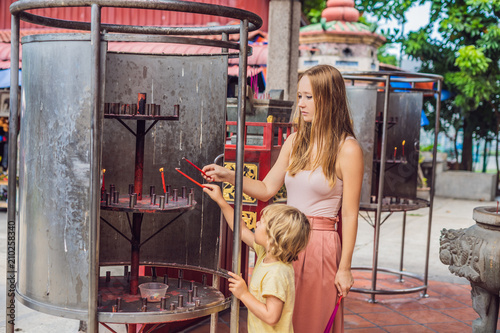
{"x": 290, "y": 140}
{"x": 291, "y": 136}
{"x": 350, "y": 160}
{"x": 350, "y": 148}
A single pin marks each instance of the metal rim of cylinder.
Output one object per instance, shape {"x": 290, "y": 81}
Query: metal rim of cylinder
{"x": 254, "y": 21}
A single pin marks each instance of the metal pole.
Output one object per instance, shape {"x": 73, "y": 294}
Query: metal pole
{"x": 240, "y": 151}
{"x": 433, "y": 182}
{"x": 139, "y": 158}
{"x": 137, "y": 217}
{"x": 95, "y": 158}
{"x": 402, "y": 247}
{"x": 380, "y": 186}
{"x": 224, "y": 38}
{"x": 214, "y": 317}
{"x": 10, "y": 305}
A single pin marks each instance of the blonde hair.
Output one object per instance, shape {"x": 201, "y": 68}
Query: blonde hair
{"x": 331, "y": 124}
{"x": 287, "y": 229}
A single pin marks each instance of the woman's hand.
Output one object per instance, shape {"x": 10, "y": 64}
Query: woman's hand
{"x": 217, "y": 173}
{"x": 237, "y": 285}
{"x": 344, "y": 281}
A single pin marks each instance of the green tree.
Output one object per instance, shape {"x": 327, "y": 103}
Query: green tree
{"x": 382, "y": 53}
{"x": 385, "y": 57}
{"x": 467, "y": 54}
{"x": 312, "y": 9}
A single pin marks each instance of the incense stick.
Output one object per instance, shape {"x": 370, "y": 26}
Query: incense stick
{"x": 332, "y": 318}
{"x": 203, "y": 172}
{"x": 191, "y": 179}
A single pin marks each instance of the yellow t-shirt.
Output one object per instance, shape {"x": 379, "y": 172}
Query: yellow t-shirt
{"x": 272, "y": 279}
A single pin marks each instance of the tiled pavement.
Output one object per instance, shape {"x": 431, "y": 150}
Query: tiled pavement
{"x": 448, "y": 309}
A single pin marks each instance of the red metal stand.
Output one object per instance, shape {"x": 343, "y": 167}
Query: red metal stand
{"x": 264, "y": 156}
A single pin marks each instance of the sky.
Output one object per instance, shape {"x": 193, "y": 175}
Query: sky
{"x": 416, "y": 18}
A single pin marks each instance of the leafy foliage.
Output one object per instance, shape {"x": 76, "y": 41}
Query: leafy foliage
{"x": 312, "y": 9}
{"x": 387, "y": 9}
{"x": 466, "y": 53}
{"x": 385, "y": 57}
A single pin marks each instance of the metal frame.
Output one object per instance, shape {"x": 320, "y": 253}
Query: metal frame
{"x": 12, "y": 187}
{"x": 387, "y": 77}
{"x": 254, "y": 22}
{"x": 98, "y": 32}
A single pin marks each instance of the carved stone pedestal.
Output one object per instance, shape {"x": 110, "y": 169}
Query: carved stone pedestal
{"x": 474, "y": 253}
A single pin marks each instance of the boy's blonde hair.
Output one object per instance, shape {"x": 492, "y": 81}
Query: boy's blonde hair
{"x": 288, "y": 230}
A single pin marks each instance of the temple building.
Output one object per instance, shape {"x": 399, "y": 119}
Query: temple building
{"x": 339, "y": 40}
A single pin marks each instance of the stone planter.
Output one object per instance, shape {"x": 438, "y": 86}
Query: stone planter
{"x": 423, "y": 193}
{"x": 474, "y": 254}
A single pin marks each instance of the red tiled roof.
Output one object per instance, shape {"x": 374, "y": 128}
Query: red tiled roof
{"x": 235, "y": 70}
{"x": 5, "y": 34}
{"x": 258, "y": 57}
{"x": 5, "y": 55}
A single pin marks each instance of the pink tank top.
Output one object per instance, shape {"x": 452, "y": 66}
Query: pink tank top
{"x": 309, "y": 192}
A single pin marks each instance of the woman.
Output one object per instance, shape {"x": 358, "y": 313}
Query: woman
{"x": 321, "y": 165}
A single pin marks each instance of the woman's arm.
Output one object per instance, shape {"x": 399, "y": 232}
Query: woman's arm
{"x": 261, "y": 190}
{"x": 350, "y": 170}
{"x": 269, "y": 312}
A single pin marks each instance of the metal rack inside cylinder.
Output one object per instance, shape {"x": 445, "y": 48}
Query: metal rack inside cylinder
{"x": 102, "y": 134}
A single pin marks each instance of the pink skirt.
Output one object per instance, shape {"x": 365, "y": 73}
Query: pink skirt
{"x": 315, "y": 270}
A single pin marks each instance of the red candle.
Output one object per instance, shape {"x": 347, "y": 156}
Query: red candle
{"x": 395, "y": 150}
{"x": 191, "y": 179}
{"x": 163, "y": 180}
{"x": 404, "y": 147}
{"x": 103, "y": 172}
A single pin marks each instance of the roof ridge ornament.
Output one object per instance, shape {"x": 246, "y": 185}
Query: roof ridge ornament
{"x": 340, "y": 10}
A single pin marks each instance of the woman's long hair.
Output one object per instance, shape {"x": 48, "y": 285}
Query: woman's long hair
{"x": 331, "y": 124}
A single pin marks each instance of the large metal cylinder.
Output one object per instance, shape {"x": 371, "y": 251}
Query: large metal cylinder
{"x": 366, "y": 105}
{"x": 56, "y": 159}
{"x": 55, "y": 193}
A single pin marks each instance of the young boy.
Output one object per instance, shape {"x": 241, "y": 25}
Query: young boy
{"x": 281, "y": 233}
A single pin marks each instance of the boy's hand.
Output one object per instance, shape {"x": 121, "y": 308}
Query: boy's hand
{"x": 213, "y": 192}
{"x": 237, "y": 285}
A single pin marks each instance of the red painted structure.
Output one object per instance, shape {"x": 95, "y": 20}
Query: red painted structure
{"x": 130, "y": 16}
{"x": 265, "y": 155}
